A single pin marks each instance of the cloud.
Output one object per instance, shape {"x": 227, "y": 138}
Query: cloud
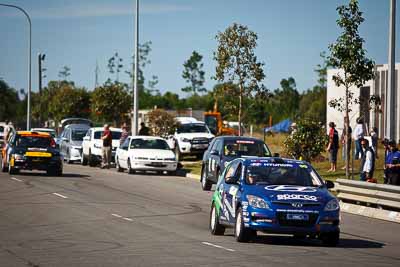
{"x": 99, "y": 10}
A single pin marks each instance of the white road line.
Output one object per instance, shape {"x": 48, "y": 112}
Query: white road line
{"x": 59, "y": 195}
{"x": 128, "y": 219}
{"x": 216, "y": 246}
{"x": 16, "y": 179}
{"x": 116, "y": 215}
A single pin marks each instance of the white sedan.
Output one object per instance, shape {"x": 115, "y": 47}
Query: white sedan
{"x": 145, "y": 153}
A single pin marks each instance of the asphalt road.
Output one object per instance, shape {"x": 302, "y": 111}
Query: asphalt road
{"x": 94, "y": 217}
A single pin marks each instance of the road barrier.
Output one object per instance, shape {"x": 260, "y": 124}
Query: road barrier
{"x": 378, "y": 201}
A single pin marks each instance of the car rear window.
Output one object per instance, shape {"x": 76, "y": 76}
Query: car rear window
{"x": 115, "y": 135}
{"x": 33, "y": 141}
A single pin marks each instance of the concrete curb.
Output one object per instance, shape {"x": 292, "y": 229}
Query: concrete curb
{"x": 381, "y": 214}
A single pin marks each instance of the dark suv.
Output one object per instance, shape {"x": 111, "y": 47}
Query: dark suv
{"x": 224, "y": 149}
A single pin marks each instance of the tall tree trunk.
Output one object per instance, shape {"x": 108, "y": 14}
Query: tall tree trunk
{"x": 346, "y": 131}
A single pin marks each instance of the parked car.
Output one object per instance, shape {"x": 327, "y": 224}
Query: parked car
{"x": 274, "y": 195}
{"x": 71, "y": 141}
{"x": 27, "y": 150}
{"x": 192, "y": 137}
{"x": 224, "y": 149}
{"x": 92, "y": 144}
{"x": 145, "y": 153}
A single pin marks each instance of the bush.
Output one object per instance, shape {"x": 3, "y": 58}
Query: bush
{"x": 307, "y": 142}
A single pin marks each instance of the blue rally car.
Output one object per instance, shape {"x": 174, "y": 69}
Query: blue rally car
{"x": 274, "y": 195}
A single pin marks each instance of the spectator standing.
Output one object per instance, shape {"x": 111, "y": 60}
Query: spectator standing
{"x": 144, "y": 130}
{"x": 343, "y": 140}
{"x": 392, "y": 164}
{"x": 333, "y": 146}
{"x": 124, "y": 134}
{"x": 367, "y": 166}
{"x": 358, "y": 135}
{"x": 106, "y": 149}
{"x": 374, "y": 139}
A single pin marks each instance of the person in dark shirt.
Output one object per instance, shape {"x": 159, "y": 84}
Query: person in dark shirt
{"x": 124, "y": 134}
{"x": 392, "y": 164}
{"x": 333, "y": 146}
{"x": 106, "y": 149}
{"x": 144, "y": 130}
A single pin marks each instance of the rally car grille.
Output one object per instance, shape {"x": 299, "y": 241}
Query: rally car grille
{"x": 199, "y": 140}
{"x": 284, "y": 203}
{"x": 283, "y": 221}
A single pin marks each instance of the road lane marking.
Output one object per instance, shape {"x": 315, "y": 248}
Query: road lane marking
{"x": 116, "y": 215}
{"x": 59, "y": 195}
{"x": 16, "y": 179}
{"x": 217, "y": 246}
{"x": 128, "y": 219}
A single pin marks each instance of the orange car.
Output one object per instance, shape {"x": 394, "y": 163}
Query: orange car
{"x": 29, "y": 150}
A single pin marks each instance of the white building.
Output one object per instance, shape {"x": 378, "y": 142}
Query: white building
{"x": 376, "y": 87}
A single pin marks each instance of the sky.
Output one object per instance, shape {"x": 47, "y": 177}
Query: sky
{"x": 79, "y": 33}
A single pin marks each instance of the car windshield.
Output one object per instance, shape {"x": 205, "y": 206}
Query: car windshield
{"x": 239, "y": 148}
{"x": 282, "y": 174}
{"x": 33, "y": 141}
{"x": 77, "y": 135}
{"x": 115, "y": 135}
{"x": 149, "y": 144}
{"x": 192, "y": 128}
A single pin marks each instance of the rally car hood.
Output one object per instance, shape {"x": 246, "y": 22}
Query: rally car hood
{"x": 160, "y": 154}
{"x": 290, "y": 193}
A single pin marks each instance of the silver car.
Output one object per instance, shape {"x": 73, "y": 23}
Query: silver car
{"x": 71, "y": 141}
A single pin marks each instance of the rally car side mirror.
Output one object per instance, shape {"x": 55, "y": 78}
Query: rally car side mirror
{"x": 329, "y": 184}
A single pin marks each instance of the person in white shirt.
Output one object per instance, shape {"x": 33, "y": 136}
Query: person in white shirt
{"x": 367, "y": 161}
{"x": 357, "y": 136}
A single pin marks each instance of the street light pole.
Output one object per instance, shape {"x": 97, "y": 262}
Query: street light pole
{"x": 28, "y": 111}
{"x": 40, "y": 59}
{"x": 391, "y": 90}
{"x": 135, "y": 75}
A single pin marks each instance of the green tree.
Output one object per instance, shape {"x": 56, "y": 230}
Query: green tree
{"x": 69, "y": 101}
{"x": 111, "y": 103}
{"x": 237, "y": 63}
{"x": 9, "y": 102}
{"x": 348, "y": 54}
{"x": 115, "y": 65}
{"x": 307, "y": 142}
{"x": 162, "y": 123}
{"x": 193, "y": 74}
{"x": 64, "y": 73}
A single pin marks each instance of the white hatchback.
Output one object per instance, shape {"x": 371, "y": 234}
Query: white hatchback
{"x": 145, "y": 153}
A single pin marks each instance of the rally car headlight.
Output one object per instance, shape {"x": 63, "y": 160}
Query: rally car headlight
{"x": 183, "y": 139}
{"x": 170, "y": 159}
{"x": 19, "y": 157}
{"x": 332, "y": 205}
{"x": 257, "y": 202}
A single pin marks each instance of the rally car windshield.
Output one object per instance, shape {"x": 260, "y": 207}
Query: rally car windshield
{"x": 192, "y": 128}
{"x": 33, "y": 141}
{"x": 282, "y": 174}
{"x": 149, "y": 144}
{"x": 239, "y": 148}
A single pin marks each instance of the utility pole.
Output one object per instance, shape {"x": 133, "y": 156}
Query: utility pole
{"x": 390, "y": 95}
{"x": 41, "y": 57}
{"x": 135, "y": 75}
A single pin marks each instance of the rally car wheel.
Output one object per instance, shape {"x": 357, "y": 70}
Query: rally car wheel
{"x": 57, "y": 172}
{"x": 130, "y": 170}
{"x": 205, "y": 184}
{"x": 117, "y": 166}
{"x": 12, "y": 170}
{"x": 215, "y": 227}
{"x": 242, "y": 234}
{"x": 330, "y": 239}
{"x": 84, "y": 160}
{"x": 91, "y": 160}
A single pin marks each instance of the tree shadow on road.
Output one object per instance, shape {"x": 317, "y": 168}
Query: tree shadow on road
{"x": 44, "y": 175}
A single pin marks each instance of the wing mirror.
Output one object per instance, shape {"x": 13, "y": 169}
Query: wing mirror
{"x": 329, "y": 184}
{"x": 65, "y": 139}
{"x": 214, "y": 152}
{"x": 86, "y": 138}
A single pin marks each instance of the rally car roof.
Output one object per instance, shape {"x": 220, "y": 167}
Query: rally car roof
{"x": 230, "y": 137}
{"x": 33, "y": 133}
